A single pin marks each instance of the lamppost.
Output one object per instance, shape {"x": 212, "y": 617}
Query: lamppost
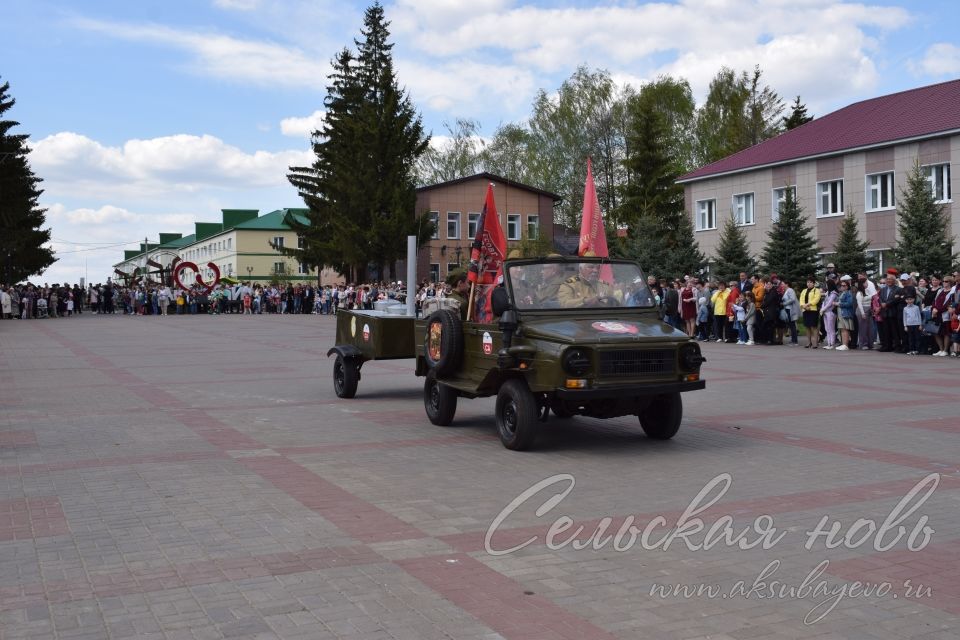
{"x": 249, "y": 272}
{"x": 458, "y": 255}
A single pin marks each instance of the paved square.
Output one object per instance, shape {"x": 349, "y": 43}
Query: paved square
{"x": 196, "y": 477}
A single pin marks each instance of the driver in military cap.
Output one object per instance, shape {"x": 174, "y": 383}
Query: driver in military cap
{"x": 584, "y": 289}
{"x": 457, "y": 280}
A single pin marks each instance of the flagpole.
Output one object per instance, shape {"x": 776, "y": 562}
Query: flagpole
{"x": 470, "y": 301}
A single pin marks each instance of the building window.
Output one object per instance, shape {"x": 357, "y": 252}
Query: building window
{"x": 513, "y": 226}
{"x": 830, "y": 198}
{"x": 533, "y": 227}
{"x": 939, "y": 177}
{"x": 743, "y": 209}
{"x": 229, "y": 244}
{"x": 279, "y": 267}
{"x": 435, "y": 272}
{"x": 435, "y": 221}
{"x": 779, "y": 198}
{"x": 453, "y": 225}
{"x": 302, "y": 268}
{"x": 301, "y": 241}
{"x": 706, "y": 215}
{"x": 473, "y": 219}
{"x": 278, "y": 242}
{"x": 880, "y": 191}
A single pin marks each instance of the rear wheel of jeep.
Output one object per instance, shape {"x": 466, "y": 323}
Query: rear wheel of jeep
{"x": 439, "y": 400}
{"x": 517, "y": 414}
{"x": 345, "y": 377}
{"x": 661, "y": 419}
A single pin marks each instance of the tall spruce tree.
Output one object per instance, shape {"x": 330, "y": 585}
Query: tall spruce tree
{"x": 361, "y": 188}
{"x": 661, "y": 236}
{"x": 850, "y": 252}
{"x": 798, "y": 116}
{"x": 21, "y": 219}
{"x": 926, "y": 244}
{"x": 791, "y": 249}
{"x": 733, "y": 252}
{"x": 332, "y": 236}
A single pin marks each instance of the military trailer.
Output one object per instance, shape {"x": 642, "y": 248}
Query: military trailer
{"x": 567, "y": 336}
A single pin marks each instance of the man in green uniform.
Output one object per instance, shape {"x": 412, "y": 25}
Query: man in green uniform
{"x": 461, "y": 290}
{"x": 551, "y": 275}
{"x": 585, "y": 289}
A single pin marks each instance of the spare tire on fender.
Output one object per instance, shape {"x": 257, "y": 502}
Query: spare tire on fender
{"x": 443, "y": 341}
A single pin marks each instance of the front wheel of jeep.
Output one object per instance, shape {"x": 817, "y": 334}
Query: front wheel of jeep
{"x": 517, "y": 415}
{"x": 439, "y": 400}
{"x": 661, "y": 419}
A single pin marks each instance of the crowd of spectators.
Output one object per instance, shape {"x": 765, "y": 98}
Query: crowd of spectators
{"x": 47, "y": 301}
{"x": 903, "y": 313}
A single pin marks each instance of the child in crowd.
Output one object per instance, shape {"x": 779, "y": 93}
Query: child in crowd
{"x": 911, "y": 324}
{"x": 739, "y": 320}
{"x": 750, "y": 314}
{"x": 703, "y": 316}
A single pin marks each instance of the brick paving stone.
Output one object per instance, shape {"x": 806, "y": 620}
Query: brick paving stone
{"x": 152, "y": 487}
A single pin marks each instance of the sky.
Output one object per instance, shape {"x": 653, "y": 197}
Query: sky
{"x": 146, "y": 116}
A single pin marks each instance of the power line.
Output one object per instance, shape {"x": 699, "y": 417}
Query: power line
{"x": 90, "y": 243}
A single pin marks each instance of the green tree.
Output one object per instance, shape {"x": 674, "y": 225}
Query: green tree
{"x": 739, "y": 112}
{"x": 21, "y": 219}
{"x": 926, "y": 244}
{"x": 652, "y": 189}
{"x": 763, "y": 109}
{"x": 508, "y": 154}
{"x": 850, "y": 252}
{"x": 361, "y": 189}
{"x": 733, "y": 252}
{"x": 791, "y": 249}
{"x": 798, "y": 116}
{"x": 566, "y": 128}
{"x": 684, "y": 256}
{"x": 642, "y": 244}
{"x": 673, "y": 99}
{"x": 461, "y": 156}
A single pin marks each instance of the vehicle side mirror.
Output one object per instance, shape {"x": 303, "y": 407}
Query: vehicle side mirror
{"x": 500, "y": 302}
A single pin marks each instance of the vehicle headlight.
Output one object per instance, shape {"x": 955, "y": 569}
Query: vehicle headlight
{"x": 576, "y": 361}
{"x": 690, "y": 357}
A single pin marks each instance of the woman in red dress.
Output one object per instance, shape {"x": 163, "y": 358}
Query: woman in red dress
{"x": 688, "y": 307}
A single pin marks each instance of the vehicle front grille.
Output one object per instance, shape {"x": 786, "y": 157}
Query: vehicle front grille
{"x": 636, "y": 362}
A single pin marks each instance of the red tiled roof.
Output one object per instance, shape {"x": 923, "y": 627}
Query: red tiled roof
{"x": 909, "y": 114}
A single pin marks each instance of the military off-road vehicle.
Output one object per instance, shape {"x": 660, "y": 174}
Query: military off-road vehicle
{"x": 568, "y": 336}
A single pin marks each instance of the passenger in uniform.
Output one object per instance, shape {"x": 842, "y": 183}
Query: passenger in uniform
{"x": 461, "y": 290}
{"x": 551, "y": 279}
{"x": 585, "y": 289}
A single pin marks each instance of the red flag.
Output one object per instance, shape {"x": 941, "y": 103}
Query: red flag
{"x": 593, "y": 235}
{"x": 489, "y": 247}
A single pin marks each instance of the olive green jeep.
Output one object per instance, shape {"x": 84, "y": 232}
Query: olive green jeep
{"x": 571, "y": 336}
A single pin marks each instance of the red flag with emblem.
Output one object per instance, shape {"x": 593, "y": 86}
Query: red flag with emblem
{"x": 489, "y": 247}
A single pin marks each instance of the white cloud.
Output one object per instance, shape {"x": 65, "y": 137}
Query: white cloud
{"x": 75, "y": 165}
{"x": 302, "y": 127}
{"x": 237, "y": 5}
{"x": 940, "y": 59}
{"x": 459, "y": 86}
{"x": 247, "y": 61}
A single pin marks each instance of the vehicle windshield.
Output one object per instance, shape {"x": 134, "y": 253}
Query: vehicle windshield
{"x": 577, "y": 285}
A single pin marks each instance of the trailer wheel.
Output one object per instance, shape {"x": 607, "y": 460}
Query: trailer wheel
{"x": 517, "y": 415}
{"x": 439, "y": 400}
{"x": 661, "y": 419}
{"x": 443, "y": 342}
{"x": 346, "y": 375}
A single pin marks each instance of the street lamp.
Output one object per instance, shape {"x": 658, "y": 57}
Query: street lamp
{"x": 249, "y": 272}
